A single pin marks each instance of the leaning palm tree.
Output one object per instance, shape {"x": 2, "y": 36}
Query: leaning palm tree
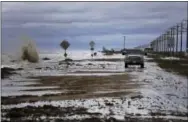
{"x": 65, "y": 44}
{"x": 92, "y": 44}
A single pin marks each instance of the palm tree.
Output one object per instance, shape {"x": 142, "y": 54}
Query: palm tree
{"x": 65, "y": 44}
{"x": 92, "y": 44}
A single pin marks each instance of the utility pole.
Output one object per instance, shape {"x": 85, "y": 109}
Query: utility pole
{"x": 166, "y": 46}
{"x": 166, "y": 41}
{"x": 169, "y": 41}
{"x": 163, "y": 45}
{"x": 177, "y": 29}
{"x": 187, "y": 30}
{"x": 181, "y": 37}
{"x": 124, "y": 42}
{"x": 157, "y": 45}
{"x": 173, "y": 46}
{"x": 160, "y": 44}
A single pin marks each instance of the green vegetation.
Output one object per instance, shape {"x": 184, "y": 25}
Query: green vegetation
{"x": 178, "y": 66}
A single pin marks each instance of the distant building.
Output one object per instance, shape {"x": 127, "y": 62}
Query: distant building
{"x": 107, "y": 52}
{"x": 117, "y": 50}
{"x": 148, "y": 50}
{"x": 142, "y": 47}
{"x": 111, "y": 51}
{"x": 132, "y": 51}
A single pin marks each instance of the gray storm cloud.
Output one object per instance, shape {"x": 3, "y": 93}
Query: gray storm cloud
{"x": 80, "y": 22}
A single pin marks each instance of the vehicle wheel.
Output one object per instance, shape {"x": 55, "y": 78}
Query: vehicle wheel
{"x": 126, "y": 66}
{"x": 142, "y": 65}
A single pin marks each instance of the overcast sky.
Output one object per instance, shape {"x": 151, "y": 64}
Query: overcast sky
{"x": 48, "y": 23}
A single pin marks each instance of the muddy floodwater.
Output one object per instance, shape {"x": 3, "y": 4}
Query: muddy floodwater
{"x": 94, "y": 90}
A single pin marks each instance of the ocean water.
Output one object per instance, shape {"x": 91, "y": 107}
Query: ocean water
{"x": 14, "y": 58}
{"x": 52, "y": 66}
{"x": 55, "y": 56}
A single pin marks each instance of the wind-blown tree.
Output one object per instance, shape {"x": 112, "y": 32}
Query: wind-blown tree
{"x": 65, "y": 45}
{"x": 92, "y": 44}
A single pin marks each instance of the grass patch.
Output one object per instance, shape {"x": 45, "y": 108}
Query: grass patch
{"x": 178, "y": 66}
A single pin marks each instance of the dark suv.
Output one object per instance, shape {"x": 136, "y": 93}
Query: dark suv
{"x": 134, "y": 60}
{"x": 133, "y": 57}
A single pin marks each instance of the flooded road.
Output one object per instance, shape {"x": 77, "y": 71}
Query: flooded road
{"x": 104, "y": 89}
